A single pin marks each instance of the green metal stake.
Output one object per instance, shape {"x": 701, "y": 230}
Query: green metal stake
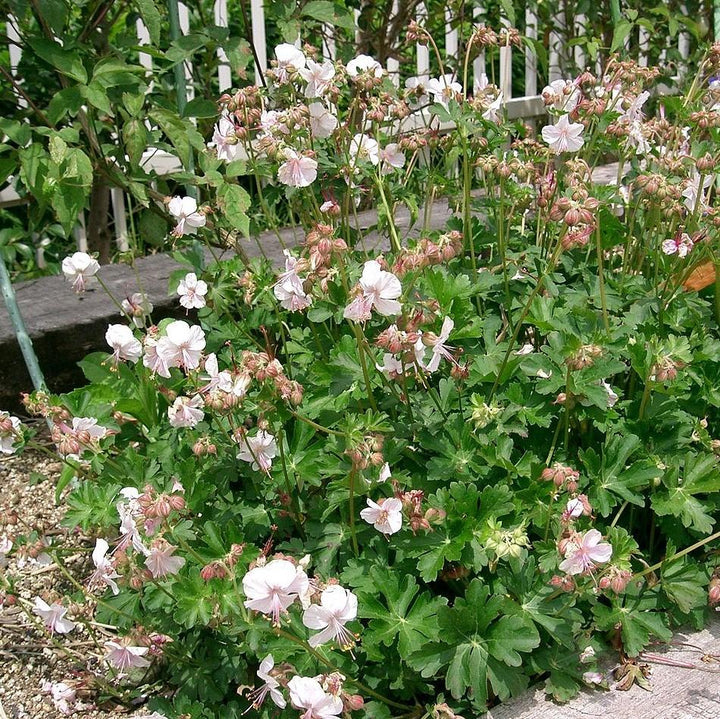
{"x": 615, "y": 11}
{"x": 180, "y": 86}
{"x": 23, "y": 338}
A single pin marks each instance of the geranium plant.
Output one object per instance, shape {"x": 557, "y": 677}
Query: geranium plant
{"x": 406, "y": 479}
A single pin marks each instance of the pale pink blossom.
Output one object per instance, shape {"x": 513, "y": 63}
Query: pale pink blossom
{"x": 161, "y": 562}
{"x": 380, "y": 290}
{"x": 137, "y": 306}
{"x": 322, "y": 121}
{"x": 364, "y": 64}
{"x": 260, "y": 450}
{"x": 695, "y": 195}
{"x": 391, "y": 158}
{"x": 443, "y": 89}
{"x": 440, "y": 350}
{"x": 584, "y": 551}
{"x": 129, "y": 510}
{"x": 329, "y": 207}
{"x": 564, "y": 136}
{"x": 271, "y": 588}
{"x": 63, "y": 696}
{"x": 319, "y": 77}
{"x": 270, "y": 685}
{"x": 574, "y": 509}
{"x": 634, "y": 112}
{"x": 337, "y": 607}
{"x": 289, "y": 59}
{"x": 192, "y": 292}
{"x": 154, "y": 361}
{"x": 78, "y": 268}
{"x": 215, "y": 378}
{"x": 418, "y": 91}
{"x": 680, "y": 245}
{"x": 123, "y": 657}
{"x": 186, "y": 411}
{"x": 297, "y": 170}
{"x": 307, "y": 694}
{"x": 363, "y": 147}
{"x": 385, "y": 515}
{"x": 562, "y": 95}
{"x": 10, "y": 433}
{"x": 385, "y": 473}
{"x": 123, "y": 342}
{"x": 185, "y": 211}
{"x": 272, "y": 122}
{"x": 292, "y": 297}
{"x": 53, "y": 616}
{"x": 182, "y": 345}
{"x": 612, "y": 396}
{"x": 227, "y": 146}
{"x": 104, "y": 568}
{"x": 391, "y": 367}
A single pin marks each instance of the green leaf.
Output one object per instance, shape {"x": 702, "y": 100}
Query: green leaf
{"x": 67, "y": 62}
{"x": 200, "y": 107}
{"x": 621, "y": 33}
{"x": 638, "y": 621}
{"x": 399, "y": 611}
{"x": 151, "y": 18}
{"x": 234, "y": 201}
{"x": 684, "y": 583}
{"x": 135, "y": 138}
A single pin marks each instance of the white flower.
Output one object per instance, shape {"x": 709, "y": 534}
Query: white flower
{"x": 123, "y": 342}
{"x": 681, "y": 245}
{"x": 574, "y": 508}
{"x": 612, "y": 397}
{"x": 260, "y": 450}
{"x": 692, "y": 190}
{"x": 492, "y": 113}
{"x": 322, "y": 121}
{"x": 273, "y": 587}
{"x": 443, "y": 89}
{"x": 392, "y": 158}
{"x": 385, "y": 473}
{"x": 128, "y": 510}
{"x": 364, "y": 63}
{"x": 270, "y": 685}
{"x": 186, "y": 412}
{"x": 385, "y": 515}
{"x": 564, "y": 136}
{"x": 123, "y": 657}
{"x": 306, "y": 693}
{"x": 291, "y": 296}
{"x": 136, "y": 306}
{"x": 297, "y": 170}
{"x": 78, "y": 268}
{"x": 634, "y": 112}
{"x": 182, "y": 345}
{"x": 391, "y": 366}
{"x": 289, "y": 58}
{"x": 184, "y": 209}
{"x": 9, "y": 433}
{"x": 160, "y": 560}
{"x": 439, "y": 349}
{"x": 364, "y": 148}
{"x": 380, "y": 289}
{"x": 337, "y": 607}
{"x": 53, "y": 616}
{"x": 417, "y": 86}
{"x": 272, "y": 122}
{"x": 192, "y": 291}
{"x": 563, "y": 95}
{"x": 318, "y": 76}
{"x": 225, "y": 142}
{"x": 63, "y": 696}
{"x": 154, "y": 361}
{"x": 214, "y": 377}
{"x": 104, "y": 568}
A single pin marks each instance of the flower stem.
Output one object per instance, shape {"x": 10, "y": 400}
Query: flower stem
{"x": 351, "y": 508}
{"x": 677, "y": 555}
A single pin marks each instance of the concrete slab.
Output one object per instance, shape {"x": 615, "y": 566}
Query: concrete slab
{"x": 677, "y": 692}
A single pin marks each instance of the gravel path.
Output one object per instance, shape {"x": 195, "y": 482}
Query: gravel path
{"x": 28, "y": 657}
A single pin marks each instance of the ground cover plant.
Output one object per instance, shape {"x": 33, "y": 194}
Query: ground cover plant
{"x": 406, "y": 479}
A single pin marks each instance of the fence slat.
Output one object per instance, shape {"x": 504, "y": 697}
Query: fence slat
{"x": 479, "y": 71}
{"x": 329, "y": 50}
{"x": 505, "y": 61}
{"x": 393, "y": 65}
{"x": 580, "y": 57}
{"x": 224, "y": 73}
{"x": 423, "y": 53}
{"x": 531, "y": 31}
{"x": 257, "y": 20}
{"x": 80, "y": 234}
{"x": 556, "y": 45}
{"x": 644, "y": 45}
{"x": 15, "y": 53}
{"x": 451, "y": 39}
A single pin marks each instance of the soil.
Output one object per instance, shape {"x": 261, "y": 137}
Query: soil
{"x": 29, "y": 656}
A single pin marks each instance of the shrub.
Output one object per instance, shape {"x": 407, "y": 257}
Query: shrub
{"x": 408, "y": 479}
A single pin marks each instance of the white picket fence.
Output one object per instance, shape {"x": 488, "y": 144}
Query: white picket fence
{"x": 527, "y": 104}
